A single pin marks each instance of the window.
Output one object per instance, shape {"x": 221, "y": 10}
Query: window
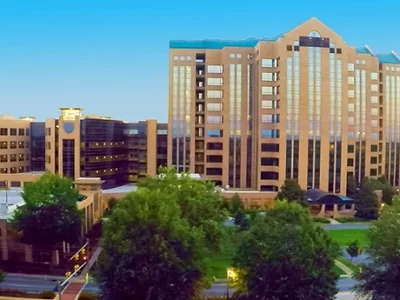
{"x": 267, "y": 90}
{"x": 339, "y": 51}
{"x": 267, "y": 63}
{"x": 214, "y": 146}
{"x": 13, "y": 131}
{"x": 289, "y": 47}
{"x": 215, "y": 81}
{"x": 267, "y": 76}
{"x": 350, "y": 162}
{"x": 374, "y": 76}
{"x": 214, "y": 171}
{"x": 269, "y": 161}
{"x": 215, "y": 69}
{"x": 214, "y": 106}
{"x": 374, "y": 148}
{"x": 3, "y": 131}
{"x": 3, "y": 145}
{"x": 374, "y": 123}
{"x": 214, "y": 94}
{"x": 214, "y": 158}
{"x": 350, "y": 80}
{"x": 214, "y": 119}
{"x": 350, "y": 135}
{"x": 373, "y": 172}
{"x": 374, "y": 136}
{"x": 269, "y": 147}
{"x": 350, "y": 67}
{"x": 374, "y": 99}
{"x": 350, "y": 93}
{"x": 374, "y": 160}
{"x": 13, "y": 145}
{"x": 3, "y": 158}
{"x": 270, "y": 118}
{"x": 13, "y": 157}
{"x": 21, "y": 145}
{"x": 350, "y": 107}
{"x": 269, "y": 104}
{"x": 270, "y": 133}
{"x": 21, "y": 131}
{"x": 374, "y": 87}
{"x": 374, "y": 111}
{"x": 350, "y": 149}
{"x": 214, "y": 133}
{"x": 351, "y": 121}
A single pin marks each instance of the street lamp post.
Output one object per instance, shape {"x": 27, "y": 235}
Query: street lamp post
{"x": 227, "y": 284}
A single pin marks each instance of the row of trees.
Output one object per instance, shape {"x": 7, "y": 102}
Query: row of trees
{"x": 156, "y": 240}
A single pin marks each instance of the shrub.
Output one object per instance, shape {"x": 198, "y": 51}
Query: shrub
{"x": 350, "y": 220}
{"x": 47, "y": 295}
{"x": 87, "y": 296}
{"x": 321, "y": 220}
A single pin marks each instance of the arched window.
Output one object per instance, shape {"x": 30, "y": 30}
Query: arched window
{"x": 314, "y": 34}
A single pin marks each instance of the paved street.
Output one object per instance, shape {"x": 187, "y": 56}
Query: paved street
{"x": 42, "y": 283}
{"x": 345, "y": 226}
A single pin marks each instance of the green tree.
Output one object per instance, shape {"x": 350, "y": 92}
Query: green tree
{"x": 2, "y": 275}
{"x": 240, "y": 215}
{"x": 150, "y": 251}
{"x": 388, "y": 193}
{"x": 199, "y": 201}
{"x": 236, "y": 204}
{"x": 111, "y": 203}
{"x": 351, "y": 190}
{"x": 245, "y": 224}
{"x": 286, "y": 256}
{"x": 367, "y": 206}
{"x": 353, "y": 249}
{"x": 50, "y": 214}
{"x": 380, "y": 279}
{"x": 292, "y": 191}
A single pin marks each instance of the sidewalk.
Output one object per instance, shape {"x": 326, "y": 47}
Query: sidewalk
{"x": 72, "y": 290}
{"x": 344, "y": 268}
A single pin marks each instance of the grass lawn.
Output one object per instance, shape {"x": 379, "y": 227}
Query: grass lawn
{"x": 219, "y": 262}
{"x": 345, "y": 237}
{"x": 338, "y": 271}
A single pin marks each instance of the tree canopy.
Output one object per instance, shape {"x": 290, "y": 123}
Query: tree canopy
{"x": 198, "y": 200}
{"x": 50, "y": 214}
{"x": 292, "y": 191}
{"x": 149, "y": 251}
{"x": 156, "y": 239}
{"x": 381, "y": 278}
{"x": 367, "y": 206}
{"x": 236, "y": 204}
{"x": 286, "y": 256}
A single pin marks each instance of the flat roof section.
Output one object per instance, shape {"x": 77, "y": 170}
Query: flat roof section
{"x": 121, "y": 189}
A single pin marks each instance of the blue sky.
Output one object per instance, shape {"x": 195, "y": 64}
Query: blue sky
{"x": 111, "y": 57}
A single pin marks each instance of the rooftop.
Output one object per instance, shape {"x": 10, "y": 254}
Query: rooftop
{"x": 121, "y": 189}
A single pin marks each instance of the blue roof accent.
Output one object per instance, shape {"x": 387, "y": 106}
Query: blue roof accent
{"x": 345, "y": 198}
{"x": 363, "y": 50}
{"x": 219, "y": 44}
{"x": 388, "y": 58}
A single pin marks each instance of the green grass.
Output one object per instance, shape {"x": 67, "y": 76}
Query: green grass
{"x": 338, "y": 271}
{"x": 219, "y": 262}
{"x": 345, "y": 237}
{"x": 349, "y": 264}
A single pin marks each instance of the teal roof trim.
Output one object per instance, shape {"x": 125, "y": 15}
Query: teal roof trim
{"x": 218, "y": 44}
{"x": 345, "y": 198}
{"x": 363, "y": 50}
{"x": 388, "y": 58}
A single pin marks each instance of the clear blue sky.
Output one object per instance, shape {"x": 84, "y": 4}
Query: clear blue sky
{"x": 111, "y": 57}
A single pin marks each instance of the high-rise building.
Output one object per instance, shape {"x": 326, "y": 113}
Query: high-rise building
{"x": 75, "y": 146}
{"x": 303, "y": 105}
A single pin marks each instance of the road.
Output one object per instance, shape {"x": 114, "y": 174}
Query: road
{"x": 346, "y": 226}
{"x": 42, "y": 283}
